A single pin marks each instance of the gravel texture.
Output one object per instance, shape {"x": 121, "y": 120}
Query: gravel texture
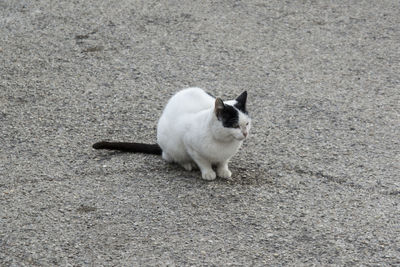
{"x": 317, "y": 182}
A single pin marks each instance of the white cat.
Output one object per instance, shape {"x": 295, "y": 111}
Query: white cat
{"x": 196, "y": 129}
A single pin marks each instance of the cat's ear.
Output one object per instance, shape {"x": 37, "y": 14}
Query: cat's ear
{"x": 241, "y": 101}
{"x": 219, "y": 107}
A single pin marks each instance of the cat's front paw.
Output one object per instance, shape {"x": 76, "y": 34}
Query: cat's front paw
{"x": 187, "y": 166}
{"x": 208, "y": 175}
{"x": 224, "y": 173}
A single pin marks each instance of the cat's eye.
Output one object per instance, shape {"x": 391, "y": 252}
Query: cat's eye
{"x": 247, "y": 124}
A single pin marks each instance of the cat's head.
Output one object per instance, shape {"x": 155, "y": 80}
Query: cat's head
{"x": 232, "y": 117}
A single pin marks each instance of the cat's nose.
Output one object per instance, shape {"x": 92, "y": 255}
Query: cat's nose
{"x": 245, "y": 134}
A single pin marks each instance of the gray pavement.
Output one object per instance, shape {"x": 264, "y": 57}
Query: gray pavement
{"x": 317, "y": 182}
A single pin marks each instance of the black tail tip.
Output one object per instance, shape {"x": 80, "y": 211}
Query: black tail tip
{"x": 99, "y": 145}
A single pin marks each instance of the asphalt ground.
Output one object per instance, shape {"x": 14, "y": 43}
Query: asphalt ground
{"x": 316, "y": 183}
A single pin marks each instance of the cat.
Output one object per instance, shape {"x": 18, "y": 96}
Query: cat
{"x": 196, "y": 130}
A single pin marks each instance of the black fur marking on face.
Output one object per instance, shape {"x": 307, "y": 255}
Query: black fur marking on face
{"x": 241, "y": 102}
{"x": 229, "y": 117}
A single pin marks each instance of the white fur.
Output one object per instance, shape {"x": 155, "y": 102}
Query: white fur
{"x": 189, "y": 132}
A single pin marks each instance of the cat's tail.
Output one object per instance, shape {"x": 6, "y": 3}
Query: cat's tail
{"x": 130, "y": 147}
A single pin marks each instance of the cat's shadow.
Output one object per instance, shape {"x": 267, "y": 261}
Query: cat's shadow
{"x": 174, "y": 171}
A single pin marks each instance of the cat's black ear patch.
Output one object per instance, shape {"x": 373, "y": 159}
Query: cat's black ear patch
{"x": 241, "y": 102}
